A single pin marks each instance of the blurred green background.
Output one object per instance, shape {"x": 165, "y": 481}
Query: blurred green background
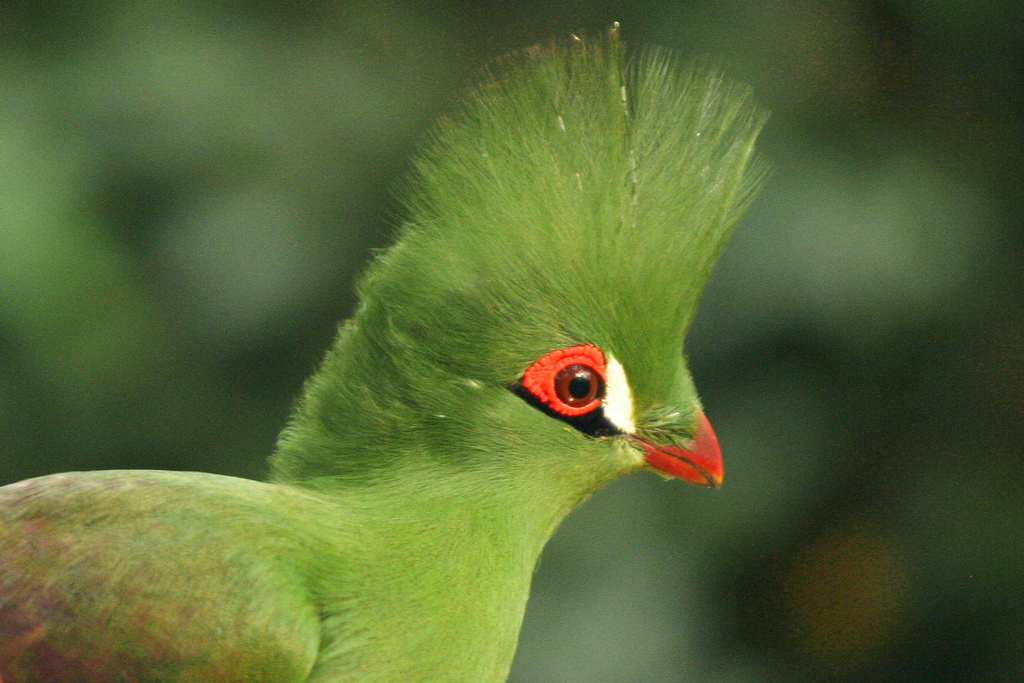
{"x": 188, "y": 189}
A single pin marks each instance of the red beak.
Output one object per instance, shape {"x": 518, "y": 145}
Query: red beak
{"x": 701, "y": 464}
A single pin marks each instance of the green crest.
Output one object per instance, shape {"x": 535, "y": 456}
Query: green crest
{"x": 577, "y": 197}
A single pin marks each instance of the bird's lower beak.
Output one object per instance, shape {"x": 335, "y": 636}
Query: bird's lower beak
{"x": 701, "y": 464}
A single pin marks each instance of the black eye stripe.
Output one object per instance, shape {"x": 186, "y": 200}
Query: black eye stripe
{"x": 593, "y": 424}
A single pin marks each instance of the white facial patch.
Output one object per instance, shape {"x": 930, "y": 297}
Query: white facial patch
{"x": 618, "y": 399}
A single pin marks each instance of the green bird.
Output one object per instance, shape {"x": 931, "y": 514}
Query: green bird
{"x": 519, "y": 347}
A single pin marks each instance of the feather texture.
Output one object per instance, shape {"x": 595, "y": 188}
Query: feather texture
{"x": 577, "y": 199}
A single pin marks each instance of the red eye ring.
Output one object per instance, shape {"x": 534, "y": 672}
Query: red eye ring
{"x": 541, "y": 378}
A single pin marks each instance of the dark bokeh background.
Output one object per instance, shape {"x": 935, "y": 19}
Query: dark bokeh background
{"x": 187, "y": 191}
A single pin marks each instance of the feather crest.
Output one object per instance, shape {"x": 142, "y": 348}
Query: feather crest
{"x": 578, "y": 193}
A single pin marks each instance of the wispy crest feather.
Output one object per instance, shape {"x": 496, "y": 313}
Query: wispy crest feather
{"x": 599, "y": 190}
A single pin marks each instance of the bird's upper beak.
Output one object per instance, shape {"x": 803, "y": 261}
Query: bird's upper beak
{"x": 700, "y": 464}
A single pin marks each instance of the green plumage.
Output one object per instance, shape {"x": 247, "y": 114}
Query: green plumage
{"x": 576, "y": 199}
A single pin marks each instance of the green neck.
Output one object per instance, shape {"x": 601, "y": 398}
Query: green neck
{"x": 431, "y": 514}
{"x": 426, "y": 575}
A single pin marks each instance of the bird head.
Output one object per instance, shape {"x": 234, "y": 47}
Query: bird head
{"x": 562, "y": 225}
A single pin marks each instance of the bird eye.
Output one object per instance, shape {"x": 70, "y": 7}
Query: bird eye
{"x": 569, "y": 381}
{"x": 577, "y": 385}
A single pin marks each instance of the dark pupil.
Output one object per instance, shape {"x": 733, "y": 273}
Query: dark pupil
{"x": 579, "y": 386}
